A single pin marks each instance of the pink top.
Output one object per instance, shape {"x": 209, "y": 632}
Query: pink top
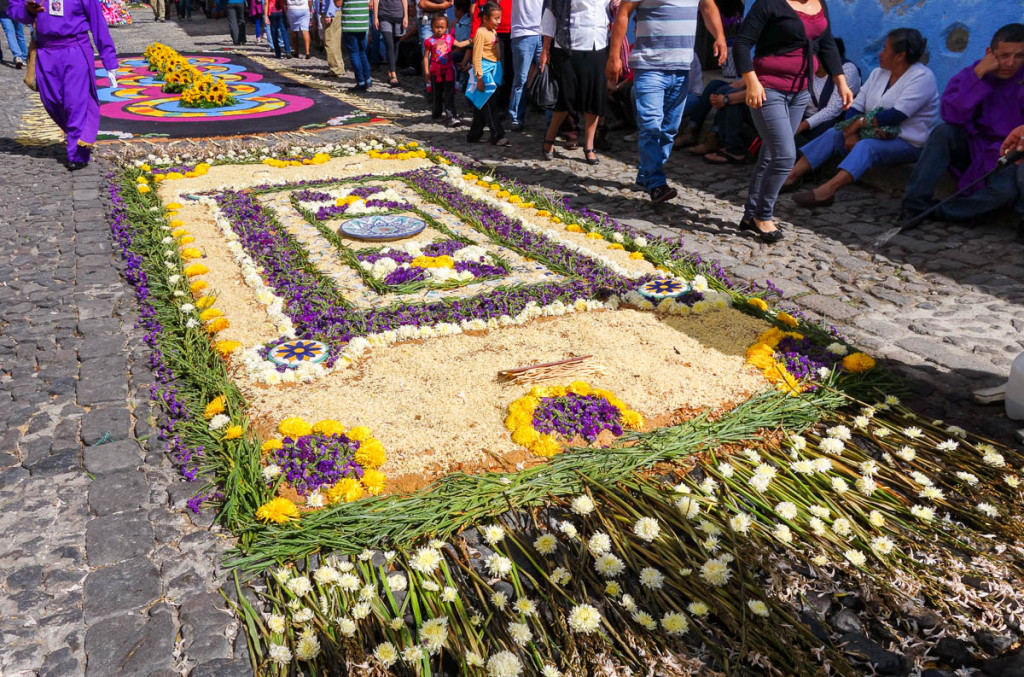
{"x": 788, "y": 72}
{"x": 442, "y": 65}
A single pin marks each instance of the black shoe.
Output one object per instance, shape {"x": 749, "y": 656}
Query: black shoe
{"x": 769, "y": 237}
{"x": 75, "y": 166}
{"x": 358, "y": 88}
{"x": 662, "y": 194}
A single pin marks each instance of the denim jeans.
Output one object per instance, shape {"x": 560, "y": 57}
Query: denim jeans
{"x": 279, "y": 34}
{"x": 355, "y": 45}
{"x": 776, "y": 122}
{"x": 660, "y": 97}
{"x": 15, "y": 37}
{"x": 866, "y": 154}
{"x": 699, "y": 110}
{"x": 525, "y": 51}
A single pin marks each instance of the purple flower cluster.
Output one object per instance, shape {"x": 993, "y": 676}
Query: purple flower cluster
{"x": 479, "y": 269}
{"x": 572, "y": 415}
{"x": 308, "y": 195}
{"x": 803, "y": 357}
{"x": 331, "y": 211}
{"x": 400, "y": 276}
{"x": 398, "y": 257}
{"x": 443, "y": 248}
{"x": 312, "y": 462}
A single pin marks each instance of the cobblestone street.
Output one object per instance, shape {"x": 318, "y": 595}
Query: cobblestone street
{"x": 103, "y": 571}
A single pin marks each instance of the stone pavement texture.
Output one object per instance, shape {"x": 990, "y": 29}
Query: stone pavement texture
{"x": 103, "y": 572}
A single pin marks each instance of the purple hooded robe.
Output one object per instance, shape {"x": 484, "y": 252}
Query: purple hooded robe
{"x": 65, "y": 71}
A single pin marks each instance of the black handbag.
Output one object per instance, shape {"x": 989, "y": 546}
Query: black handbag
{"x": 544, "y": 89}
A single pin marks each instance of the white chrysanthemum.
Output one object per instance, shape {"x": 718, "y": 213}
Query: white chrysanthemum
{"x": 709, "y": 527}
{"x": 740, "y": 523}
{"x": 881, "y": 432}
{"x": 219, "y": 421}
{"x": 498, "y": 566}
{"x": 425, "y": 560}
{"x": 819, "y": 560}
{"x": 840, "y": 432}
{"x": 647, "y": 528}
{"x": 876, "y": 519}
{"x": 968, "y": 478}
{"x": 449, "y": 594}
{"x": 958, "y": 431}
{"x": 430, "y": 586}
{"x": 474, "y": 660}
{"x": 948, "y": 445}
{"x": 759, "y": 483}
{"x": 882, "y": 545}
{"x": 839, "y": 485}
{"x": 347, "y": 627}
{"x": 550, "y": 671}
{"x": 652, "y": 578}
{"x": 608, "y": 565}
{"x": 832, "y": 445}
{"x": 525, "y": 606}
{"x": 988, "y": 509}
{"x": 726, "y": 469}
{"x": 855, "y": 557}
{"x": 280, "y": 654}
{"x": 869, "y": 467}
{"x": 560, "y": 576}
{"x": 584, "y": 619}
{"x": 802, "y": 467}
{"x": 645, "y": 620}
{"x": 271, "y": 471}
{"x": 861, "y": 422}
{"x": 715, "y": 572}
{"x": 932, "y": 494}
{"x": 922, "y": 513}
{"x": 299, "y": 586}
{"x": 569, "y": 529}
{"x": 816, "y": 526}
{"x": 628, "y": 603}
{"x": 492, "y": 534}
{"x": 612, "y": 589}
{"x": 709, "y": 486}
{"x": 520, "y": 633}
{"x": 582, "y": 505}
{"x": 819, "y": 511}
{"x": 783, "y": 533}
{"x": 822, "y": 465}
{"x": 504, "y": 664}
{"x": 360, "y": 610}
{"x": 688, "y": 506}
{"x": 546, "y": 544}
{"x": 921, "y": 478}
{"x": 499, "y": 600}
{"x": 786, "y": 510}
{"x": 913, "y": 432}
{"x": 412, "y": 654}
{"x": 711, "y": 543}
{"x": 757, "y": 607}
{"x": 1012, "y": 481}
{"x": 599, "y": 543}
{"x": 368, "y": 592}
{"x": 992, "y": 458}
{"x": 326, "y": 575}
{"x": 866, "y": 485}
{"x": 698, "y": 609}
{"x": 307, "y": 648}
{"x": 892, "y": 400}
{"x": 798, "y": 442}
{"x": 837, "y": 349}
{"x": 842, "y": 527}
{"x": 433, "y": 633}
{"x": 276, "y": 623}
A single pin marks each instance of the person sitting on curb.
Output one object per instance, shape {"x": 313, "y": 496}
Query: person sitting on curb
{"x": 1015, "y": 142}
{"x": 981, "y": 105}
{"x": 887, "y": 124}
{"x": 826, "y": 106}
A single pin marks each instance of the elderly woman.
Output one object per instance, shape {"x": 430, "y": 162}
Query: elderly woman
{"x": 786, "y": 35}
{"x": 575, "y": 44}
{"x": 65, "y": 71}
{"x": 890, "y": 120}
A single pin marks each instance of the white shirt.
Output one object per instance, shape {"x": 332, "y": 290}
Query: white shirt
{"x": 588, "y": 25}
{"x": 526, "y": 17}
{"x": 832, "y": 108}
{"x": 915, "y": 95}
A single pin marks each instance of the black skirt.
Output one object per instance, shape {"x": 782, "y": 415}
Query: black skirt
{"x": 582, "y": 87}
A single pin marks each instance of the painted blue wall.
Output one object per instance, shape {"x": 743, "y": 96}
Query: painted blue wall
{"x": 863, "y": 25}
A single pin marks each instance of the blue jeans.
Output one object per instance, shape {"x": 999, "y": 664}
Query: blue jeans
{"x": 355, "y": 45}
{"x": 866, "y": 154}
{"x": 660, "y": 97}
{"x": 776, "y": 122}
{"x": 279, "y": 34}
{"x": 15, "y": 37}
{"x": 525, "y": 51}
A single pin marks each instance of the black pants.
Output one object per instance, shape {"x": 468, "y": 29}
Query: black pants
{"x": 504, "y": 92}
{"x": 236, "y": 22}
{"x": 486, "y": 116}
{"x": 444, "y": 98}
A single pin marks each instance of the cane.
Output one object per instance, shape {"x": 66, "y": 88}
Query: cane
{"x": 1007, "y": 160}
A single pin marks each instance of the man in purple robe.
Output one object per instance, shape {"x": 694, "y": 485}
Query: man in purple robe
{"x": 982, "y": 104}
{"x": 65, "y": 71}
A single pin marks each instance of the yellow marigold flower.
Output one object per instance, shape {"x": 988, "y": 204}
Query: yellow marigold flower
{"x": 483, "y": 184}
{"x": 514, "y": 199}
{"x": 771, "y": 337}
{"x": 616, "y": 245}
{"x": 636, "y": 255}
{"x": 176, "y": 223}
{"x": 595, "y": 236}
{"x": 270, "y": 445}
{"x": 294, "y": 427}
{"x": 433, "y": 262}
{"x": 370, "y": 453}
{"x": 173, "y": 176}
{"x": 198, "y": 286}
{"x": 190, "y": 175}
{"x": 143, "y": 188}
{"x": 347, "y": 489}
{"x": 146, "y": 168}
{"x": 279, "y": 510}
{"x": 191, "y": 253}
{"x": 196, "y": 269}
{"x": 495, "y": 186}
{"x": 555, "y": 219}
{"x": 574, "y": 228}
{"x": 233, "y": 432}
{"x": 512, "y": 421}
{"x": 374, "y": 481}
{"x": 216, "y": 406}
{"x": 543, "y": 213}
{"x": 413, "y": 144}
{"x": 470, "y": 177}
{"x": 142, "y": 180}
{"x": 225, "y": 348}
{"x": 219, "y": 324}
{"x": 179, "y": 232}
{"x": 633, "y": 420}
{"x": 209, "y": 314}
{"x": 787, "y": 319}
{"x": 203, "y": 167}
{"x": 525, "y": 436}
{"x": 761, "y": 355}
{"x": 526, "y": 205}
{"x": 503, "y": 193}
{"x": 858, "y": 363}
{"x": 188, "y": 239}
{"x": 359, "y": 433}
{"x": 157, "y": 178}
{"x": 173, "y": 206}
{"x": 758, "y": 303}
{"x": 581, "y": 388}
{"x": 545, "y": 445}
{"x": 204, "y": 301}
{"x": 787, "y": 383}
{"x": 328, "y": 427}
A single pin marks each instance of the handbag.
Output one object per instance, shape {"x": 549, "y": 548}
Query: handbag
{"x": 544, "y": 89}
{"x": 30, "y": 68}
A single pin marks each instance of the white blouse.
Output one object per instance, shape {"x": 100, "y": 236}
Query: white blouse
{"x": 915, "y": 94}
{"x": 588, "y": 25}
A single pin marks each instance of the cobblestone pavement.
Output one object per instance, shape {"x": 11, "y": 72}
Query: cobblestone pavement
{"x": 103, "y": 573}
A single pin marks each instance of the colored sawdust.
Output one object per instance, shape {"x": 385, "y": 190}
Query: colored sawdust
{"x": 438, "y": 406}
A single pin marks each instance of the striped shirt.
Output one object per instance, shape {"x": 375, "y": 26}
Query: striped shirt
{"x": 665, "y": 35}
{"x": 355, "y": 16}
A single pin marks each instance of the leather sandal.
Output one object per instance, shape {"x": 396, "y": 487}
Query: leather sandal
{"x": 807, "y": 199}
{"x": 591, "y": 160}
{"x": 549, "y": 149}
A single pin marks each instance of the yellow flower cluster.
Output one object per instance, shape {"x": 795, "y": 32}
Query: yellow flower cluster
{"x": 520, "y": 415}
{"x": 197, "y": 88}
{"x": 755, "y": 302}
{"x": 278, "y": 510}
{"x": 858, "y": 363}
{"x": 216, "y": 406}
{"x": 406, "y": 155}
{"x": 206, "y": 91}
{"x": 318, "y": 159}
{"x": 762, "y": 355}
{"x": 348, "y": 200}
{"x": 433, "y": 262}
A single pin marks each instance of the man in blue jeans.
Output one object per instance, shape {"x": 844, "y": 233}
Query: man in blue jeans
{"x": 526, "y": 46}
{"x": 665, "y": 36}
{"x": 15, "y": 37}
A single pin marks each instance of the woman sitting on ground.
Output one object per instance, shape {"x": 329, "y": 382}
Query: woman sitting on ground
{"x": 887, "y": 124}
{"x": 826, "y": 106}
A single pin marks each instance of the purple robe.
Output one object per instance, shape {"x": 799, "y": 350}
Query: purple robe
{"x": 65, "y": 69}
{"x": 989, "y": 108}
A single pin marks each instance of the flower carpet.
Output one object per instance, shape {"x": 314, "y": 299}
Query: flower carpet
{"x": 329, "y": 328}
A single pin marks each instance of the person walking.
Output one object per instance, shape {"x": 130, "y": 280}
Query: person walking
{"x": 159, "y": 6}
{"x": 487, "y": 71}
{"x": 275, "y": 15}
{"x": 526, "y": 47}
{"x": 355, "y": 24}
{"x": 15, "y": 33}
{"x": 298, "y": 22}
{"x": 666, "y": 33}
{"x": 391, "y": 18}
{"x": 236, "y": 20}
{"x": 332, "y": 38}
{"x": 786, "y": 36}
{"x": 65, "y": 70}
{"x": 255, "y": 15}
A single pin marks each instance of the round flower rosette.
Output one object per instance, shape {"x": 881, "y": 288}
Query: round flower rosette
{"x": 548, "y": 416}
{"x": 324, "y": 463}
{"x": 794, "y": 362}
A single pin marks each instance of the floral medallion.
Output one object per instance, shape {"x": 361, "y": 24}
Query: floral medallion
{"x": 294, "y": 353}
{"x": 385, "y": 227}
{"x": 663, "y": 289}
